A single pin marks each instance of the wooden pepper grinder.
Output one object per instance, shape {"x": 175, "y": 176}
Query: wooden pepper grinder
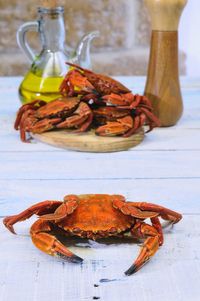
{"x": 50, "y": 3}
{"x": 162, "y": 86}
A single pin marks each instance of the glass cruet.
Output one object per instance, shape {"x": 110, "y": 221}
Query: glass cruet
{"x": 48, "y": 68}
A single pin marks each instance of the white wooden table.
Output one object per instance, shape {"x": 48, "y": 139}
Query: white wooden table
{"x": 164, "y": 169}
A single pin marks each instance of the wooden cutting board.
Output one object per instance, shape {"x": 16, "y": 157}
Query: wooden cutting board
{"x": 89, "y": 142}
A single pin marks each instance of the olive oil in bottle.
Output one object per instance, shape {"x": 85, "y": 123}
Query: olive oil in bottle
{"x": 49, "y": 67}
{"x": 37, "y": 87}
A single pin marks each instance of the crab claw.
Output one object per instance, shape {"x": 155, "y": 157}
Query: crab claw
{"x": 148, "y": 249}
{"x": 45, "y": 125}
{"x": 137, "y": 265}
{"x": 61, "y": 252}
{"x": 114, "y": 128}
{"x": 75, "y": 82}
{"x": 133, "y": 269}
{"x": 48, "y": 243}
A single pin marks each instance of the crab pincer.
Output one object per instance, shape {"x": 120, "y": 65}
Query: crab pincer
{"x": 48, "y": 243}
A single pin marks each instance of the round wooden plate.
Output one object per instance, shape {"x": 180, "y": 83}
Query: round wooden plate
{"x": 89, "y": 142}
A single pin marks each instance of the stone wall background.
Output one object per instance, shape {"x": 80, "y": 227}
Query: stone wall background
{"x": 122, "y": 49}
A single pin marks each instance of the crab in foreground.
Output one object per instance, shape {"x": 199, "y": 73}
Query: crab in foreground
{"x": 95, "y": 216}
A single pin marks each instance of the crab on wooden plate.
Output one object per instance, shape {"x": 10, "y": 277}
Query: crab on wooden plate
{"x": 95, "y": 216}
{"x": 104, "y": 90}
{"x": 64, "y": 112}
{"x": 86, "y": 98}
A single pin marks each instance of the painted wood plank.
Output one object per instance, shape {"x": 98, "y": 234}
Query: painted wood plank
{"x": 71, "y": 165}
{"x": 181, "y": 195}
{"x": 172, "y": 274}
{"x": 171, "y": 139}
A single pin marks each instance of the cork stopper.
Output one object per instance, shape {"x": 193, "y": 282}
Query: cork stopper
{"x": 51, "y": 4}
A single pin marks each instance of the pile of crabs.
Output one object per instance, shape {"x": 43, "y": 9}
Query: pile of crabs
{"x": 88, "y": 101}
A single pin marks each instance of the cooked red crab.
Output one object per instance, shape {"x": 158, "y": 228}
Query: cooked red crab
{"x": 64, "y": 112}
{"x": 83, "y": 81}
{"x": 104, "y": 90}
{"x": 94, "y": 217}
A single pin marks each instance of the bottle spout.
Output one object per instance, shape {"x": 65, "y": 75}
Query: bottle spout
{"x": 83, "y": 57}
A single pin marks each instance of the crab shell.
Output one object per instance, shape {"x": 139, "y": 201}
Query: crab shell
{"x": 94, "y": 216}
{"x": 93, "y": 82}
{"x": 60, "y": 107}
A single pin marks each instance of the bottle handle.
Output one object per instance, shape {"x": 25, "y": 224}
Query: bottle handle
{"x": 21, "y": 38}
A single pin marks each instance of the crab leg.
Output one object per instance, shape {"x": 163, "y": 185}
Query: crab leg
{"x": 149, "y": 248}
{"x": 114, "y": 128}
{"x": 157, "y": 225}
{"x": 137, "y": 124}
{"x": 153, "y": 121}
{"x": 30, "y": 106}
{"x": 81, "y": 118}
{"x": 38, "y": 209}
{"x": 31, "y": 124}
{"x": 85, "y": 125}
{"x": 48, "y": 243}
{"x": 27, "y": 120}
{"x": 165, "y": 213}
{"x": 76, "y": 82}
{"x": 45, "y": 125}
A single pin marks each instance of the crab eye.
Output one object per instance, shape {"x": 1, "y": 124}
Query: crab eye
{"x": 70, "y": 197}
